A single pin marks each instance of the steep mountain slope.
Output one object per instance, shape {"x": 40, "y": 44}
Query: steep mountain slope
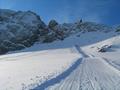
{"x": 18, "y": 29}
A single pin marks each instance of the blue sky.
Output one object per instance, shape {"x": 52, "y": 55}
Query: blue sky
{"x": 101, "y": 11}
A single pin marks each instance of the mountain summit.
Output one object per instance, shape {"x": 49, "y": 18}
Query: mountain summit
{"x": 21, "y": 29}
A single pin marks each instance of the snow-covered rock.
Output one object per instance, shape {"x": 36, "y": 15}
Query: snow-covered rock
{"x": 104, "y": 48}
{"x": 52, "y": 24}
{"x": 73, "y": 28}
{"x": 20, "y": 27}
{"x": 118, "y": 29}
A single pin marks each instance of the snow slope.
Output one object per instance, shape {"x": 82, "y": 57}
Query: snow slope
{"x": 70, "y": 64}
{"x": 23, "y": 71}
{"x": 112, "y": 54}
{"x": 97, "y": 70}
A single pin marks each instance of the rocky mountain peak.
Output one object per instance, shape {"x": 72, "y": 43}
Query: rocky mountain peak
{"x": 20, "y": 29}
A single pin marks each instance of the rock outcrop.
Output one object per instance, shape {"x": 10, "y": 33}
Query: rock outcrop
{"x": 19, "y": 29}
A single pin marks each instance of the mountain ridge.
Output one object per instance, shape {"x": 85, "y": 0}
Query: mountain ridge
{"x": 21, "y": 29}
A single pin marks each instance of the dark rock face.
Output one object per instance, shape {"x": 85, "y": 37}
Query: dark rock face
{"x": 19, "y": 29}
{"x": 52, "y": 24}
{"x": 50, "y": 38}
{"x": 104, "y": 48}
{"x": 6, "y": 46}
{"x": 56, "y": 32}
{"x": 118, "y": 30}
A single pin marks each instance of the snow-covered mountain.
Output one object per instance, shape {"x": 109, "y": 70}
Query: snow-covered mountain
{"x": 21, "y": 29}
{"x": 18, "y": 29}
{"x": 69, "y": 56}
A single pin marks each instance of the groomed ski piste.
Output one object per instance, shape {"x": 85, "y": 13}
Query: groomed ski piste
{"x": 71, "y": 64}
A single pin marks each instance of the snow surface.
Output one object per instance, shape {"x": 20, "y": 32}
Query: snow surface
{"x": 71, "y": 64}
{"x": 26, "y": 70}
{"x": 97, "y": 71}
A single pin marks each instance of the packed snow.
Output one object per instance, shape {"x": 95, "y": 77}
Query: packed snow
{"x": 25, "y": 70}
{"x": 97, "y": 70}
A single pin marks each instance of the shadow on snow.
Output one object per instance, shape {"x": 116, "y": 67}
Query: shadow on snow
{"x": 59, "y": 78}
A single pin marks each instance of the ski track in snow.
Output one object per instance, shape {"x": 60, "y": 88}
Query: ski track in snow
{"x": 60, "y": 77}
{"x": 86, "y": 76}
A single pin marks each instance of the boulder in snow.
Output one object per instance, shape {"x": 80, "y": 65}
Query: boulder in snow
{"x": 104, "y": 48}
